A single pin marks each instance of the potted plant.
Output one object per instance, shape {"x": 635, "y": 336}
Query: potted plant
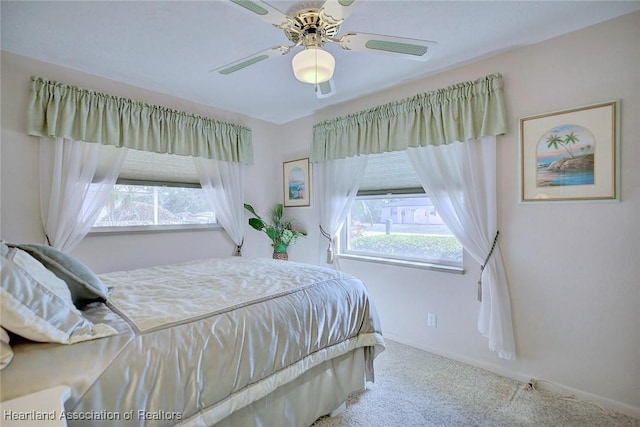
{"x": 280, "y": 230}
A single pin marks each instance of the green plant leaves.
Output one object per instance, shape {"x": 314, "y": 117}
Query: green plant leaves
{"x": 257, "y": 223}
{"x": 429, "y": 246}
{"x": 280, "y": 230}
{"x": 250, "y": 209}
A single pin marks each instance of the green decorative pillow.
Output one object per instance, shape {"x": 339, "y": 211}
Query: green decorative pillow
{"x": 84, "y": 285}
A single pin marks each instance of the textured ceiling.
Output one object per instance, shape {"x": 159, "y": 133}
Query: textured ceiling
{"x": 171, "y": 46}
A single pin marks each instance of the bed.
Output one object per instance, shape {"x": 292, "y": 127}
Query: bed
{"x": 226, "y": 342}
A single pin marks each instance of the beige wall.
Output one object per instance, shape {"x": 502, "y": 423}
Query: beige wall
{"x": 19, "y": 192}
{"x": 573, "y": 268}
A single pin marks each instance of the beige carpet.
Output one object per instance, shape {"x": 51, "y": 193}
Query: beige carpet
{"x": 416, "y": 388}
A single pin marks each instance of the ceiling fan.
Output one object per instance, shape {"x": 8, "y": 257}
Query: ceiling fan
{"x": 311, "y": 28}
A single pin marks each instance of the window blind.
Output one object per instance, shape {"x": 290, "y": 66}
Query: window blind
{"x": 153, "y": 167}
{"x": 147, "y": 166}
{"x": 390, "y": 172}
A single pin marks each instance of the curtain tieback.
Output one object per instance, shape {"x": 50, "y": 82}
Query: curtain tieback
{"x": 330, "y": 256}
{"x": 238, "y": 250}
{"x": 486, "y": 260}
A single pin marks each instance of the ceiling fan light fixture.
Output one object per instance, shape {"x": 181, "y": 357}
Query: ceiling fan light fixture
{"x": 313, "y": 65}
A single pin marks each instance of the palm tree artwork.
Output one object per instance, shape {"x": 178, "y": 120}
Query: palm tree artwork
{"x": 566, "y": 156}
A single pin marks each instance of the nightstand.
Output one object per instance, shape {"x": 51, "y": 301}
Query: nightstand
{"x": 39, "y": 409}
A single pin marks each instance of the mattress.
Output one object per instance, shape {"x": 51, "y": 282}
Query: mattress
{"x": 201, "y": 340}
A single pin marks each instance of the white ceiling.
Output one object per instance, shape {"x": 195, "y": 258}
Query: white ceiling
{"x": 170, "y": 46}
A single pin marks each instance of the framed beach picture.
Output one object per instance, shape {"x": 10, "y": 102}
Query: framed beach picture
{"x": 297, "y": 183}
{"x": 570, "y": 155}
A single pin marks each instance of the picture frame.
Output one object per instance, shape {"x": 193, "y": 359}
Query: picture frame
{"x": 570, "y": 155}
{"x": 296, "y": 183}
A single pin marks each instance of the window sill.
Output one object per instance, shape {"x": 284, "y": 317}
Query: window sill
{"x": 152, "y": 229}
{"x": 400, "y": 263}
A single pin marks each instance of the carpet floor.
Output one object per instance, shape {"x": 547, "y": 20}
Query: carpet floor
{"x": 417, "y": 388}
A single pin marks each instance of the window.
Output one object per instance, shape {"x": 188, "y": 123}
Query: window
{"x": 400, "y": 227}
{"x": 142, "y": 204}
{"x": 393, "y": 220}
{"x": 156, "y": 192}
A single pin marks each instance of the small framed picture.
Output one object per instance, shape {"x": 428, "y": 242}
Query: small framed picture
{"x": 297, "y": 183}
{"x": 570, "y": 155}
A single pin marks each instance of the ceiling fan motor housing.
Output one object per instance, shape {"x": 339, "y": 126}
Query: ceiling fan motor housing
{"x": 311, "y": 27}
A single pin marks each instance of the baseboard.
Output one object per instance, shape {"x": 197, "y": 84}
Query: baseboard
{"x": 602, "y": 402}
{"x": 541, "y": 383}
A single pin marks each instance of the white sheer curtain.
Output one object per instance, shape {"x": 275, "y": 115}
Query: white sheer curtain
{"x": 337, "y": 184}
{"x": 460, "y": 179}
{"x": 75, "y": 182}
{"x": 223, "y": 185}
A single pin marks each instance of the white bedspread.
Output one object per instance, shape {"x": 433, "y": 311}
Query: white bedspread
{"x": 213, "y": 336}
{"x": 191, "y": 290}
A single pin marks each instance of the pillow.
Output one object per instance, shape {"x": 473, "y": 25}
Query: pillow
{"x": 37, "y": 305}
{"x": 84, "y": 285}
{"x": 6, "y": 353}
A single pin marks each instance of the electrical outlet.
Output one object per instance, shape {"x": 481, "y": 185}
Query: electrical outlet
{"x": 432, "y": 320}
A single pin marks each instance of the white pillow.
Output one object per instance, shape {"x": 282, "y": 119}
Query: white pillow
{"x": 84, "y": 285}
{"x": 37, "y": 305}
{"x": 6, "y": 353}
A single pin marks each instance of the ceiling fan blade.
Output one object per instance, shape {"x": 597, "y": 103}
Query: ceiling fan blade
{"x": 252, "y": 59}
{"x": 264, "y": 11}
{"x": 325, "y": 89}
{"x": 416, "y": 49}
{"x": 339, "y": 9}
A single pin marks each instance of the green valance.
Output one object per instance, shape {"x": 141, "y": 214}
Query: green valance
{"x": 59, "y": 110}
{"x": 457, "y": 113}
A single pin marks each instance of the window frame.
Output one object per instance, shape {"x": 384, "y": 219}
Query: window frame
{"x": 154, "y": 228}
{"x": 349, "y": 254}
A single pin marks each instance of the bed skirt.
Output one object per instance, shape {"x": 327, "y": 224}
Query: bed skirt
{"x": 301, "y": 402}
